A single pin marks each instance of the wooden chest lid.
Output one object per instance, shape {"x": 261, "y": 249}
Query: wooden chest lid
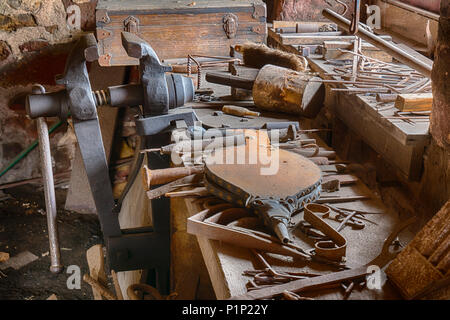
{"x": 139, "y": 5}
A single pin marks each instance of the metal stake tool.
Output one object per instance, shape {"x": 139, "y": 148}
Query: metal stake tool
{"x": 49, "y": 188}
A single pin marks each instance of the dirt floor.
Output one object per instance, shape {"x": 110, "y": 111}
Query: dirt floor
{"x": 23, "y": 227}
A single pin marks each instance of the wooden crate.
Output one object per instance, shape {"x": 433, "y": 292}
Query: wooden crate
{"x": 177, "y": 28}
{"x": 425, "y": 263}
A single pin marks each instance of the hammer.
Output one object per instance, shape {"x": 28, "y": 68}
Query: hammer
{"x": 49, "y": 188}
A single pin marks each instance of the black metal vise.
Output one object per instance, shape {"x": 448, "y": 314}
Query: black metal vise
{"x": 158, "y": 93}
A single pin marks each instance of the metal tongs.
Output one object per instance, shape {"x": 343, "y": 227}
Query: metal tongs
{"x": 355, "y": 18}
{"x": 354, "y": 24}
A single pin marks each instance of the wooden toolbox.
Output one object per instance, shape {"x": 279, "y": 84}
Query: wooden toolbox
{"x": 176, "y": 28}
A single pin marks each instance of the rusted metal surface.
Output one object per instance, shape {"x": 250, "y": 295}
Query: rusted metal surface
{"x": 230, "y": 25}
{"x": 238, "y": 236}
{"x": 131, "y": 24}
{"x": 199, "y": 70}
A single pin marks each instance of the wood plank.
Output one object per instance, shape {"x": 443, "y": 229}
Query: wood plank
{"x": 79, "y": 197}
{"x": 96, "y": 263}
{"x": 377, "y": 135}
{"x": 135, "y": 212}
{"x": 414, "y": 102}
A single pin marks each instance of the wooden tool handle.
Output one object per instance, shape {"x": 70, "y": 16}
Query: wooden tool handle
{"x": 239, "y": 111}
{"x": 162, "y": 176}
{"x": 99, "y": 287}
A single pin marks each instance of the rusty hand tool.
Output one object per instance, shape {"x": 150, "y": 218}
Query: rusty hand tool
{"x": 332, "y": 250}
{"x": 348, "y": 289}
{"x": 319, "y": 282}
{"x": 162, "y": 190}
{"x": 239, "y": 236}
{"x": 349, "y": 220}
{"x": 344, "y": 5}
{"x": 191, "y": 146}
{"x": 354, "y": 220}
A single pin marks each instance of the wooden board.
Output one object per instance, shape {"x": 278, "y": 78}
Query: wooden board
{"x": 426, "y": 259}
{"x": 135, "y": 212}
{"x": 177, "y": 28}
{"x": 96, "y": 263}
{"x": 414, "y": 102}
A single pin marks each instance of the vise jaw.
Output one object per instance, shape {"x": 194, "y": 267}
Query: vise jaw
{"x": 127, "y": 249}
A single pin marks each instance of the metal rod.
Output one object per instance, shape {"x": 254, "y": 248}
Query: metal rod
{"x": 404, "y": 57}
{"x": 49, "y": 189}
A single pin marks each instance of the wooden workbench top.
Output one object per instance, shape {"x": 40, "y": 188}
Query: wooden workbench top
{"x": 226, "y": 263}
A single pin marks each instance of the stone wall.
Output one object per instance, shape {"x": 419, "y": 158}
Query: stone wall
{"x": 35, "y": 38}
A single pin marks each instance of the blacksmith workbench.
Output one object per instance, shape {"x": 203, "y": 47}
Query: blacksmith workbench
{"x": 226, "y": 263}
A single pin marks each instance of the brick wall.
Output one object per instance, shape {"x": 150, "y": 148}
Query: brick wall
{"x": 35, "y": 38}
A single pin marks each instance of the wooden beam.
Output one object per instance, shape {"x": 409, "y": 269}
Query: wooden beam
{"x": 414, "y": 102}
